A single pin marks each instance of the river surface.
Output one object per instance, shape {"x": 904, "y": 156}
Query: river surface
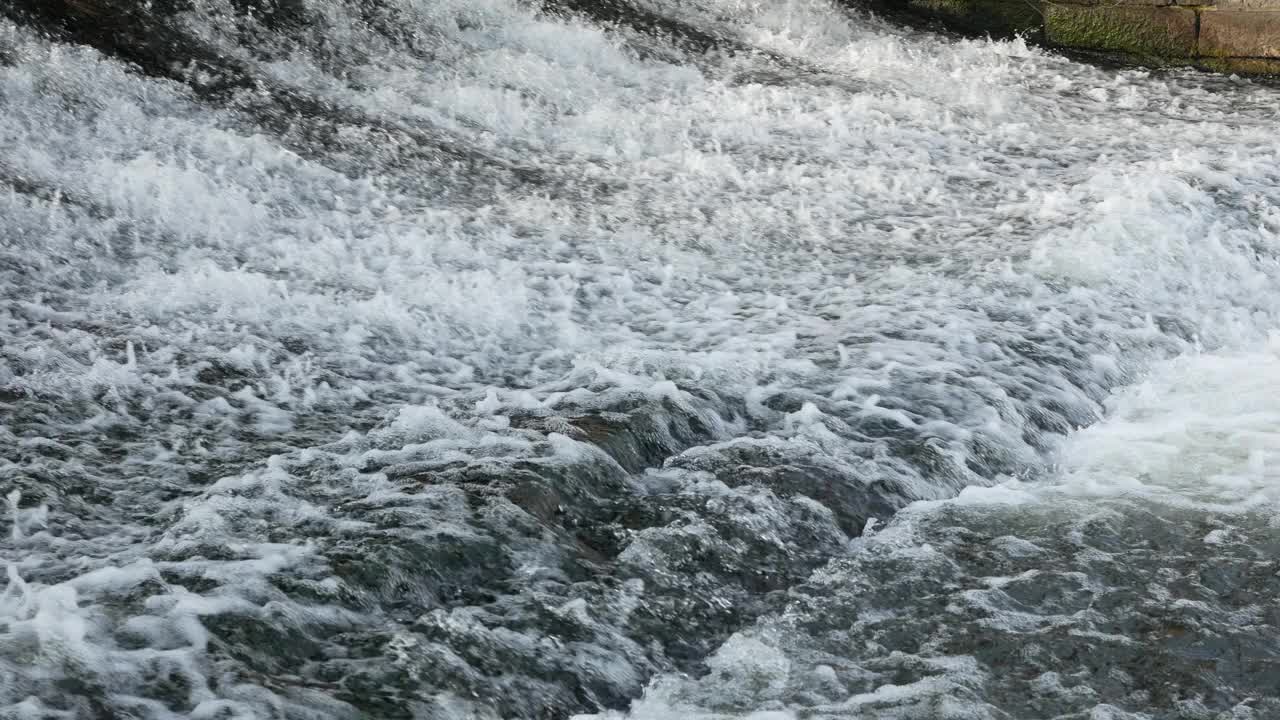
{"x": 660, "y": 359}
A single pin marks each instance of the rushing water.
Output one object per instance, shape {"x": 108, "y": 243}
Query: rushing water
{"x": 661, "y": 359}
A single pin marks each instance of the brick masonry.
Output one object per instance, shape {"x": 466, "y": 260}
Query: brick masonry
{"x": 1240, "y": 33}
{"x": 1226, "y": 35}
{"x": 1160, "y": 32}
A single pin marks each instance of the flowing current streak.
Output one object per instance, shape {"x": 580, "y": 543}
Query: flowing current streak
{"x": 546, "y": 359}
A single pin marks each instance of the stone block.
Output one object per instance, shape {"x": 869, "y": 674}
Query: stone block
{"x": 1247, "y": 4}
{"x": 1240, "y": 33}
{"x": 1000, "y": 17}
{"x": 1148, "y": 32}
{"x": 1242, "y": 66}
{"x": 1126, "y": 3}
{"x": 954, "y": 9}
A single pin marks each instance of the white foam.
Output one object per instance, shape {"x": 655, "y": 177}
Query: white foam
{"x": 1201, "y": 430}
{"x": 867, "y": 242}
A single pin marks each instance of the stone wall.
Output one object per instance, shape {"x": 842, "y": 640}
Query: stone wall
{"x": 1226, "y": 35}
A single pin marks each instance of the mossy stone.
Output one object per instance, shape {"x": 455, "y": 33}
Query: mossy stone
{"x": 1000, "y": 17}
{"x": 1145, "y": 32}
{"x": 1242, "y": 66}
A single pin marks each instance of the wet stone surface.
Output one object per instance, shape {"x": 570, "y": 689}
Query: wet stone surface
{"x": 1002, "y": 613}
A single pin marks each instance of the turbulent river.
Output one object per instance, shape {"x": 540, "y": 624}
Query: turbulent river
{"x": 688, "y": 359}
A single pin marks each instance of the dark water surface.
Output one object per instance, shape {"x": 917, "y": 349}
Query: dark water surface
{"x": 495, "y": 359}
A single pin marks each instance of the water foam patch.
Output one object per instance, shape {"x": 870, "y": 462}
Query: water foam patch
{"x": 1200, "y": 430}
{"x": 448, "y": 358}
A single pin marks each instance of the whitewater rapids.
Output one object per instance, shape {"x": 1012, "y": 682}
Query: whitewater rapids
{"x": 662, "y": 359}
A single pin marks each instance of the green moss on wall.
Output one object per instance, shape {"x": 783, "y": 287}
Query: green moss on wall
{"x": 1242, "y": 66}
{"x": 1194, "y": 33}
{"x": 951, "y": 8}
{"x": 1014, "y": 16}
{"x": 1000, "y": 17}
{"x": 1146, "y": 32}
